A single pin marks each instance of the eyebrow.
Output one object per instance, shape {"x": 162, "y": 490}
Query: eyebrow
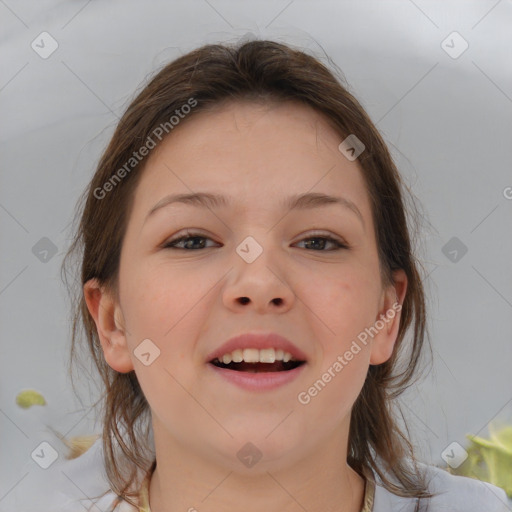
{"x": 304, "y": 201}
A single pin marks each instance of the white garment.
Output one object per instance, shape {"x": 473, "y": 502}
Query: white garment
{"x": 67, "y": 485}
{"x": 454, "y": 494}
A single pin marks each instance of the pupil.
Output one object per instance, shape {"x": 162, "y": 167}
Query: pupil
{"x": 314, "y": 242}
{"x": 189, "y": 242}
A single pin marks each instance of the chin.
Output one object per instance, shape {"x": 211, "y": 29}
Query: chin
{"x": 252, "y": 453}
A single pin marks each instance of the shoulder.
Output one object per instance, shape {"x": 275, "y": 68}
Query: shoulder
{"x": 450, "y": 494}
{"x": 456, "y": 493}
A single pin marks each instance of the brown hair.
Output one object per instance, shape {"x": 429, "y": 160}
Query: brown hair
{"x": 263, "y": 71}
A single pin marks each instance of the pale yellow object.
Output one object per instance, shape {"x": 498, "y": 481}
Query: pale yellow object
{"x": 78, "y": 445}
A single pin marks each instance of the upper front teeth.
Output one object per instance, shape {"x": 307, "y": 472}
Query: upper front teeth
{"x": 254, "y": 355}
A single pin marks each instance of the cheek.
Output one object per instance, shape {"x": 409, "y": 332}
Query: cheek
{"x": 157, "y": 299}
{"x": 346, "y": 306}
{"x": 331, "y": 394}
{"x": 345, "y": 303}
{"x": 161, "y": 304}
{"x": 164, "y": 304}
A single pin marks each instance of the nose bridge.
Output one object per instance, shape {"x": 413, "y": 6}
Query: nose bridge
{"x": 257, "y": 255}
{"x": 262, "y": 242}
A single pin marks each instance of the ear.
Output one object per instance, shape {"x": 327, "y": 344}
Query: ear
{"x": 109, "y": 321}
{"x": 389, "y": 314}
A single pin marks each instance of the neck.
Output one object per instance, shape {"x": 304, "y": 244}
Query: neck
{"x": 185, "y": 480}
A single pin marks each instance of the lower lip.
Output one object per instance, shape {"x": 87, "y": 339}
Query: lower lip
{"x": 262, "y": 381}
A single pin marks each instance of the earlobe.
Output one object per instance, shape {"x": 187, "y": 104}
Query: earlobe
{"x": 107, "y": 316}
{"x": 389, "y": 316}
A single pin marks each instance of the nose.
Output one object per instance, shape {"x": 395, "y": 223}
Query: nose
{"x": 261, "y": 285}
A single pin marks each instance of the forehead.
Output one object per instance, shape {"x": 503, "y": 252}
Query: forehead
{"x": 288, "y": 124}
{"x": 256, "y": 152}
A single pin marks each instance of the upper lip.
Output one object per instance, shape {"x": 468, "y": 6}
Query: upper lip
{"x": 259, "y": 340}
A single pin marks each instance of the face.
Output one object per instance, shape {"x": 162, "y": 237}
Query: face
{"x": 251, "y": 264}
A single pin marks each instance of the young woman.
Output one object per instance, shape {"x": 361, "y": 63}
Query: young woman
{"x": 247, "y": 282}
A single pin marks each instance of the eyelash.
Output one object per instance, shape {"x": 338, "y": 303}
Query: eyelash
{"x": 171, "y": 244}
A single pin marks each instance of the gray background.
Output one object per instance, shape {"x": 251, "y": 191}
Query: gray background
{"x": 448, "y": 122}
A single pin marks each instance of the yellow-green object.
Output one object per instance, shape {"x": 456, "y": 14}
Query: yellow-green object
{"x": 29, "y": 397}
{"x": 490, "y": 459}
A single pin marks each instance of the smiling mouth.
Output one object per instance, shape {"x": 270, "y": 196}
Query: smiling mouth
{"x": 277, "y": 366}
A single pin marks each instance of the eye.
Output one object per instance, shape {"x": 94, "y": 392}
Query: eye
{"x": 324, "y": 240}
{"x": 189, "y": 241}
